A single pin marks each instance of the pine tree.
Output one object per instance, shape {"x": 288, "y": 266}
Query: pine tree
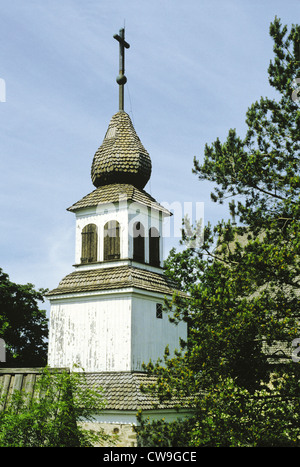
{"x": 244, "y": 280}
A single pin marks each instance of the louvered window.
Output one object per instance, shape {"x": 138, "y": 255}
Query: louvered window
{"x": 89, "y": 243}
{"x": 111, "y": 240}
{"x": 154, "y": 247}
{"x": 139, "y": 242}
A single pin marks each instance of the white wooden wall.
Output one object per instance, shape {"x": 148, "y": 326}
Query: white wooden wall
{"x": 151, "y": 335}
{"x": 92, "y": 333}
{"x": 110, "y": 333}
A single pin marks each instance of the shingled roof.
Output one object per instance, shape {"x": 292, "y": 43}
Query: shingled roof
{"x": 115, "y": 193}
{"x": 121, "y": 158}
{"x": 122, "y": 391}
{"x": 111, "y": 278}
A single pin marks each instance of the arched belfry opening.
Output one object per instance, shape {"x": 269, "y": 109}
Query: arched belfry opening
{"x": 138, "y": 242}
{"x": 89, "y": 244}
{"x": 154, "y": 247}
{"x": 111, "y": 241}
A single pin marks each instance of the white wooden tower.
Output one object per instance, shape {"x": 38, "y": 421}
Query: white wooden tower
{"x": 106, "y": 315}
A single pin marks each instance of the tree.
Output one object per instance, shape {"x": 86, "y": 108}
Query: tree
{"x": 244, "y": 279}
{"x": 23, "y": 326}
{"x": 50, "y": 417}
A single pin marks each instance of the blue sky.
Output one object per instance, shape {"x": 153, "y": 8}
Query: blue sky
{"x": 193, "y": 69}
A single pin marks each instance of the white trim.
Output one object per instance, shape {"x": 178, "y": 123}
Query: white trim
{"x": 129, "y": 417}
{"x": 117, "y": 263}
{"x": 94, "y": 294}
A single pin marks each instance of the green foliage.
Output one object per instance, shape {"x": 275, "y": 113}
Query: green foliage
{"x": 243, "y": 281}
{"x": 50, "y": 418}
{"x": 23, "y": 326}
{"x": 158, "y": 433}
{"x": 231, "y": 416}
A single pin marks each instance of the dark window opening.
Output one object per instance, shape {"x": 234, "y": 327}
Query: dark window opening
{"x": 159, "y": 311}
{"x": 111, "y": 240}
{"x": 139, "y": 242}
{"x": 154, "y": 247}
{"x": 89, "y": 243}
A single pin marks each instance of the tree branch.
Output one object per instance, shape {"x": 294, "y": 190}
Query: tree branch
{"x": 268, "y": 193}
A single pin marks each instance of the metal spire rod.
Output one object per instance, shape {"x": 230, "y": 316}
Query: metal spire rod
{"x": 121, "y": 78}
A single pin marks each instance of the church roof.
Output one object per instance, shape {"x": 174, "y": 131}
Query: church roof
{"x": 115, "y": 193}
{"x": 110, "y": 278}
{"x": 121, "y": 158}
{"x": 121, "y": 390}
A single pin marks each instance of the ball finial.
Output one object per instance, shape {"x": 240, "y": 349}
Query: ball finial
{"x": 121, "y": 80}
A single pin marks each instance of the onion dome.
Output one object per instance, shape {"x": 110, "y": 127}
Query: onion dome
{"x": 121, "y": 158}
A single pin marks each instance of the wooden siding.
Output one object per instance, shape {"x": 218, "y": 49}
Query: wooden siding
{"x": 111, "y": 334}
{"x": 91, "y": 333}
{"x": 13, "y": 380}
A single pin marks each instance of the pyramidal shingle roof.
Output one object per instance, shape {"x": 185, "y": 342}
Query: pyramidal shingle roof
{"x": 120, "y": 390}
{"x": 123, "y": 391}
{"x": 121, "y": 158}
{"x": 117, "y": 192}
{"x": 117, "y": 277}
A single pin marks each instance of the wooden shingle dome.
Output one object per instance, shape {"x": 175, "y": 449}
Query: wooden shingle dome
{"x": 121, "y": 158}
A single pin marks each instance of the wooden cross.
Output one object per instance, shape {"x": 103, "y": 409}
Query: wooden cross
{"x": 121, "y": 78}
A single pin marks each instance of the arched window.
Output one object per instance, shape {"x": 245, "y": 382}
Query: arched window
{"x": 111, "y": 240}
{"x": 139, "y": 242}
{"x": 89, "y": 241}
{"x": 154, "y": 247}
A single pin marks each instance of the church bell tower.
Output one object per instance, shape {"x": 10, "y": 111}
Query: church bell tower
{"x": 107, "y": 315}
